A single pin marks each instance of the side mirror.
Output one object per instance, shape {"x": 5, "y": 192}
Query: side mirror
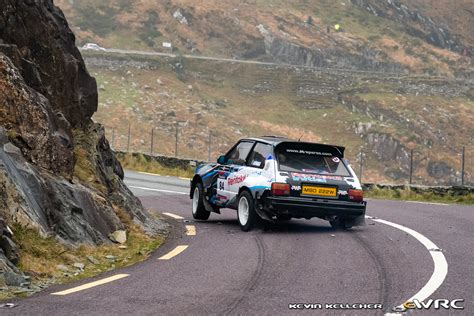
{"x": 222, "y": 160}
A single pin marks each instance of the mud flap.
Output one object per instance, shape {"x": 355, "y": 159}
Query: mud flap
{"x": 260, "y": 212}
{"x": 358, "y": 221}
{"x": 210, "y": 208}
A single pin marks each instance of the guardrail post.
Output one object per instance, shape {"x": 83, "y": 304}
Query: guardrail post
{"x": 462, "y": 165}
{"x": 411, "y": 166}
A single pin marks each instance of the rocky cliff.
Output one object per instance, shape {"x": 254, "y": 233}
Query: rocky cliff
{"x": 57, "y": 172}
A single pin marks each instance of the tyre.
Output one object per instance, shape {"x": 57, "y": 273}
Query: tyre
{"x": 284, "y": 217}
{"x": 246, "y": 214}
{"x": 340, "y": 223}
{"x": 199, "y": 210}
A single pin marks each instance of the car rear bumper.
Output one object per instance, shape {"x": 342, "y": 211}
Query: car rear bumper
{"x": 304, "y": 207}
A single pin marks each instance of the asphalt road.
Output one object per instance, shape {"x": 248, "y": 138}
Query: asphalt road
{"x": 226, "y": 271}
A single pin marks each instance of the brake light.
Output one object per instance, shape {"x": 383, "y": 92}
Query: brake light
{"x": 280, "y": 188}
{"x": 356, "y": 195}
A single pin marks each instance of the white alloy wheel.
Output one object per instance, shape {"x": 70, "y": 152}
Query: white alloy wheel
{"x": 243, "y": 211}
{"x": 195, "y": 200}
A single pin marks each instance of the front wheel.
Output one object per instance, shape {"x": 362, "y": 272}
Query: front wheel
{"x": 199, "y": 210}
{"x": 246, "y": 211}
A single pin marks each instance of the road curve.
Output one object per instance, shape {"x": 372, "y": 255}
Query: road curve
{"x": 223, "y": 270}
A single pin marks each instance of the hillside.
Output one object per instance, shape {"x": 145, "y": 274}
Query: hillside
{"x": 386, "y": 116}
{"x": 416, "y": 99}
{"x": 418, "y": 36}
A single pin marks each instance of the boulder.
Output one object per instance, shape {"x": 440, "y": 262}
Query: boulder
{"x": 118, "y": 236}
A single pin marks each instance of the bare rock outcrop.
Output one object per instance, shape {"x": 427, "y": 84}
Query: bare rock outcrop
{"x": 58, "y": 174}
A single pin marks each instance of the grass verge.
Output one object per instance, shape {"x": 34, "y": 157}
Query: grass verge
{"x": 409, "y": 195}
{"x": 48, "y": 261}
{"x": 139, "y": 162}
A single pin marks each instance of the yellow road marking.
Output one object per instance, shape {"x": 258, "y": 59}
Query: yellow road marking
{"x": 173, "y": 253}
{"x": 173, "y": 215}
{"x": 184, "y": 178}
{"x": 92, "y": 284}
{"x": 190, "y": 230}
{"x": 150, "y": 174}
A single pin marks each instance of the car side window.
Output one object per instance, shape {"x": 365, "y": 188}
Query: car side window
{"x": 239, "y": 154}
{"x": 259, "y": 155}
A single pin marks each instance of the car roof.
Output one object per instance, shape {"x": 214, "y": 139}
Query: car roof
{"x": 275, "y": 140}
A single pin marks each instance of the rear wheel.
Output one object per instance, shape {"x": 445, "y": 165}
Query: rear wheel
{"x": 199, "y": 210}
{"x": 246, "y": 211}
{"x": 340, "y": 223}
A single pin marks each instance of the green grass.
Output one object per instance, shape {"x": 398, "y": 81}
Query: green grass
{"x": 408, "y": 195}
{"x": 40, "y": 256}
{"x": 141, "y": 163}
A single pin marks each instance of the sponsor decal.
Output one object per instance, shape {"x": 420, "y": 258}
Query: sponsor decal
{"x": 236, "y": 179}
{"x": 336, "y": 159}
{"x": 313, "y": 177}
{"x": 342, "y": 192}
{"x": 296, "y": 188}
{"x": 308, "y": 152}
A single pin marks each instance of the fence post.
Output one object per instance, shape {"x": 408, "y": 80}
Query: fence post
{"x": 128, "y": 141}
{"x": 361, "y": 164}
{"x": 411, "y": 166}
{"x": 151, "y": 146}
{"x": 176, "y": 141}
{"x": 462, "y": 165}
{"x": 113, "y": 138}
{"x": 209, "y": 149}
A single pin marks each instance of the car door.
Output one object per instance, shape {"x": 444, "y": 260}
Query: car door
{"x": 232, "y": 174}
{"x": 260, "y": 172}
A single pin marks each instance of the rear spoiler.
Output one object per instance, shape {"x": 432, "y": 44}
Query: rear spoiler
{"x": 312, "y": 148}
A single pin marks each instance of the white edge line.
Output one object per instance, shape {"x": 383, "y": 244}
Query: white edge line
{"x": 440, "y": 264}
{"x": 91, "y": 284}
{"x": 173, "y": 215}
{"x": 157, "y": 190}
{"x": 432, "y": 203}
{"x": 149, "y": 173}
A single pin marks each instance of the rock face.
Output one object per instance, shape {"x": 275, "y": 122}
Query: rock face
{"x": 57, "y": 172}
{"x": 415, "y": 22}
{"x": 284, "y": 51}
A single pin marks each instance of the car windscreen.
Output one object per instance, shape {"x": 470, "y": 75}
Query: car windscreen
{"x": 310, "y": 161}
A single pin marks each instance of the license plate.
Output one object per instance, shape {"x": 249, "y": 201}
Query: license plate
{"x": 320, "y": 191}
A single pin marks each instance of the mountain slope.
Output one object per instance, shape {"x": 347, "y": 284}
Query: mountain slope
{"x": 385, "y": 36}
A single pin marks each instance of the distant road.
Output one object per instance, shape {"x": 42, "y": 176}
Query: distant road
{"x": 212, "y": 267}
{"x": 242, "y": 61}
{"x": 148, "y": 53}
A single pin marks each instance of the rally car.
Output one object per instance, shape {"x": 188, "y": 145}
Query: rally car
{"x": 274, "y": 178}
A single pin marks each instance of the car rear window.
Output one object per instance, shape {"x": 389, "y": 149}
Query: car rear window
{"x": 310, "y": 161}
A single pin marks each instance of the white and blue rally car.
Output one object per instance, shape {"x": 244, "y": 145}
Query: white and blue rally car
{"x": 273, "y": 178}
